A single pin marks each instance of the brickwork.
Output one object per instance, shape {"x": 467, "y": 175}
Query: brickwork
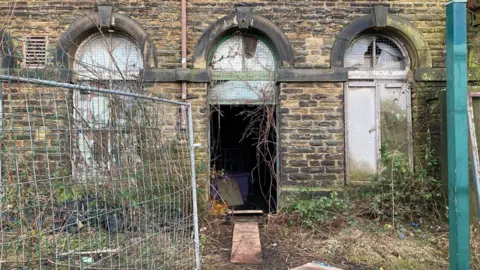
{"x": 33, "y": 134}
{"x": 312, "y": 134}
{"x": 311, "y": 27}
{"x": 197, "y": 97}
{"x": 426, "y": 117}
{"x": 311, "y": 126}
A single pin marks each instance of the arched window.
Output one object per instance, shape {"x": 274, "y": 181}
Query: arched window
{"x": 377, "y": 104}
{"x": 106, "y": 60}
{"x": 109, "y": 56}
{"x": 375, "y": 52}
{"x": 110, "y": 60}
{"x": 243, "y": 69}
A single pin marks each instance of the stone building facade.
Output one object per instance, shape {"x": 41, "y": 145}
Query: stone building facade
{"x": 316, "y": 45}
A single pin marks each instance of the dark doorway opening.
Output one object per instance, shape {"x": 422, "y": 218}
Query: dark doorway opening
{"x": 243, "y": 147}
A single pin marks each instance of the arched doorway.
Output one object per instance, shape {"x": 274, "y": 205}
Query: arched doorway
{"x": 243, "y": 128}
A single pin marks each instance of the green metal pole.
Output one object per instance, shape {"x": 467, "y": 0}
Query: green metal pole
{"x": 457, "y": 135}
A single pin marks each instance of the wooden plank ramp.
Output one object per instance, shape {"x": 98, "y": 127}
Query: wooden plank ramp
{"x": 246, "y": 246}
{"x": 315, "y": 266}
{"x": 245, "y": 212}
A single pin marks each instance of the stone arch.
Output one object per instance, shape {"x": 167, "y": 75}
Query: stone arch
{"x": 242, "y": 19}
{"x": 103, "y": 20}
{"x": 382, "y": 21}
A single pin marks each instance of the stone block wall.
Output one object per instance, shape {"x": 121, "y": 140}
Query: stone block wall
{"x": 312, "y": 134}
{"x": 34, "y": 134}
{"x": 200, "y": 112}
{"x": 426, "y": 117}
{"x": 311, "y": 27}
{"x": 311, "y": 124}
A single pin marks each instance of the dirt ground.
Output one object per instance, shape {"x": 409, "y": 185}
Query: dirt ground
{"x": 364, "y": 246}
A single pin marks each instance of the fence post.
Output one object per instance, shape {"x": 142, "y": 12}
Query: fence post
{"x": 457, "y": 135}
{"x": 194, "y": 189}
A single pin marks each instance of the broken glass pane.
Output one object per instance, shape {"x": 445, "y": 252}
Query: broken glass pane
{"x": 355, "y": 56}
{"x": 232, "y": 56}
{"x": 385, "y": 56}
{"x": 262, "y": 61}
{"x": 390, "y": 58}
{"x": 250, "y": 46}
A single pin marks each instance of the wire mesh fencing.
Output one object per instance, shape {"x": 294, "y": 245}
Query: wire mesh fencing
{"x": 95, "y": 179}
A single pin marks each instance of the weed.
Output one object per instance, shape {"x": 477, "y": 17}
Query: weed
{"x": 318, "y": 209}
{"x": 396, "y": 195}
{"x": 399, "y": 194}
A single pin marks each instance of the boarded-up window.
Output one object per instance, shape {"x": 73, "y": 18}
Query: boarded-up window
{"x": 361, "y": 127}
{"x": 395, "y": 115}
{"x": 377, "y": 105}
{"x": 377, "y": 114}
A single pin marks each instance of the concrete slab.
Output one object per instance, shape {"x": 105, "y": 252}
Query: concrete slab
{"x": 246, "y": 246}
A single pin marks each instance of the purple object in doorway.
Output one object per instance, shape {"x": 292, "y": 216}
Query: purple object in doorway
{"x": 242, "y": 181}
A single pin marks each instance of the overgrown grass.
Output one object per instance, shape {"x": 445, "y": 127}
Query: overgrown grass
{"x": 395, "y": 205}
{"x": 365, "y": 245}
{"x": 396, "y": 196}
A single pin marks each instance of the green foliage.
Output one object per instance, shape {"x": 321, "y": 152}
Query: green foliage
{"x": 318, "y": 209}
{"x": 396, "y": 194}
{"x": 400, "y": 194}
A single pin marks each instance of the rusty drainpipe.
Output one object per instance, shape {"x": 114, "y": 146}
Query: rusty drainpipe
{"x": 184, "y": 61}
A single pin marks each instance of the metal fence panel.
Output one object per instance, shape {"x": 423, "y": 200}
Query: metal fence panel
{"x": 95, "y": 179}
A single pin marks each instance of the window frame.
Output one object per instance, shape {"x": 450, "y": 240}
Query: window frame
{"x": 377, "y": 78}
{"x": 87, "y": 41}
{"x": 110, "y": 81}
{"x": 84, "y": 146}
{"x": 221, "y": 76}
{"x": 395, "y": 40}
